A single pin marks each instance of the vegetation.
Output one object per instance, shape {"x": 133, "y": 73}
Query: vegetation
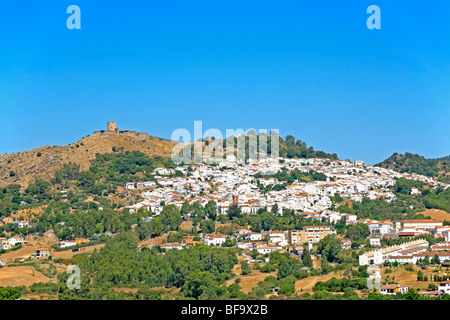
{"x": 414, "y": 163}
{"x": 200, "y": 272}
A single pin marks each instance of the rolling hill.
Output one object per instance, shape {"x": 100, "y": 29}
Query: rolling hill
{"x": 42, "y": 163}
{"x": 414, "y": 163}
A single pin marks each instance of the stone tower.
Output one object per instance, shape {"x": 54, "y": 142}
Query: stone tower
{"x": 112, "y": 126}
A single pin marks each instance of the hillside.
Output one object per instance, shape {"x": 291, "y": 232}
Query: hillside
{"x": 414, "y": 163}
{"x": 42, "y": 163}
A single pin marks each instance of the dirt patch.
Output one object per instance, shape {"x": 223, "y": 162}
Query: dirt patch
{"x": 186, "y": 225}
{"x": 67, "y": 254}
{"x": 19, "y": 254}
{"x": 435, "y": 214}
{"x": 248, "y": 282}
{"x": 21, "y": 276}
{"x": 24, "y": 214}
{"x": 126, "y": 290}
{"x": 153, "y": 241}
{"x": 409, "y": 278}
{"x": 308, "y": 283}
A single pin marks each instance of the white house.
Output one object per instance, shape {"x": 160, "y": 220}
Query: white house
{"x": 67, "y": 243}
{"x": 253, "y": 236}
{"x": 265, "y": 249}
{"x": 444, "y": 286}
{"x": 214, "y": 239}
{"x": 15, "y": 240}
{"x": 23, "y": 224}
{"x": 4, "y": 244}
{"x": 346, "y": 243}
{"x": 164, "y": 171}
{"x": 375, "y": 241}
{"x": 392, "y": 289}
{"x": 129, "y": 186}
{"x": 174, "y": 245}
{"x": 276, "y": 236}
{"x": 146, "y": 184}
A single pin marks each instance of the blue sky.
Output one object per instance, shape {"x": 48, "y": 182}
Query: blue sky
{"x": 311, "y": 69}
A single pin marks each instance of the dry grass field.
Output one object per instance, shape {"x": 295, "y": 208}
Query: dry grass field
{"x": 409, "y": 278}
{"x": 435, "y": 214}
{"x": 21, "y": 276}
{"x": 306, "y": 284}
{"x": 248, "y": 282}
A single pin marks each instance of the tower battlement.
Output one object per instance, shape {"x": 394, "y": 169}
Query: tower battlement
{"x": 112, "y": 126}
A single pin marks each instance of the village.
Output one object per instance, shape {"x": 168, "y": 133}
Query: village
{"x": 230, "y": 183}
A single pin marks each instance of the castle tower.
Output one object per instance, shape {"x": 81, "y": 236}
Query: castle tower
{"x": 235, "y": 198}
{"x": 112, "y": 126}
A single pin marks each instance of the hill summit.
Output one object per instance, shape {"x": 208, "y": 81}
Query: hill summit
{"x": 42, "y": 163}
{"x": 414, "y": 163}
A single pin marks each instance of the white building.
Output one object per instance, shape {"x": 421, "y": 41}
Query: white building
{"x": 15, "y": 240}
{"x": 381, "y": 255}
{"x": 214, "y": 239}
{"x": 129, "y": 186}
{"x": 23, "y": 224}
{"x": 174, "y": 245}
{"x": 444, "y": 286}
{"x": 4, "y": 244}
{"x": 392, "y": 289}
{"x": 375, "y": 242}
{"x": 253, "y": 236}
{"x": 67, "y": 243}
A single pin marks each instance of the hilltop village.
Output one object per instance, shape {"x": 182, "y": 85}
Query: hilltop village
{"x": 316, "y": 215}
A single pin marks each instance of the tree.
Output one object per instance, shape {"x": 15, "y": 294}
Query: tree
{"x": 287, "y": 266}
{"x": 306, "y": 257}
{"x": 357, "y": 232}
{"x": 207, "y": 226}
{"x": 287, "y": 286}
{"x": 419, "y": 276}
{"x": 9, "y": 293}
{"x": 69, "y": 172}
{"x": 198, "y": 283}
{"x": 211, "y": 210}
{"x": 275, "y": 209}
{"x": 234, "y": 211}
{"x": 245, "y": 267}
{"x": 412, "y": 294}
{"x": 329, "y": 247}
{"x": 435, "y": 259}
{"x": 170, "y": 217}
{"x": 186, "y": 210}
{"x": 268, "y": 221}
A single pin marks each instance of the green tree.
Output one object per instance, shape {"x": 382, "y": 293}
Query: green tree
{"x": 329, "y": 247}
{"x": 245, "y": 267}
{"x": 211, "y": 210}
{"x": 435, "y": 259}
{"x": 234, "y": 211}
{"x": 306, "y": 257}
{"x": 287, "y": 286}
{"x": 198, "y": 282}
{"x": 9, "y": 293}
{"x": 357, "y": 232}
